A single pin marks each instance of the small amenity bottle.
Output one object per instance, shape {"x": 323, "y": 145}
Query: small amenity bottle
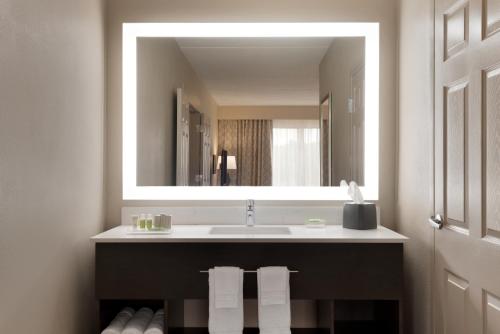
{"x": 135, "y": 222}
{"x": 157, "y": 223}
{"x": 149, "y": 222}
{"x": 142, "y": 221}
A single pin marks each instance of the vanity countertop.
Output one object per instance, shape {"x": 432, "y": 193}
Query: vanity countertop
{"x": 298, "y": 233}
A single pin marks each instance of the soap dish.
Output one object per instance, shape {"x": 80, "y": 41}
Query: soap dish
{"x": 315, "y": 223}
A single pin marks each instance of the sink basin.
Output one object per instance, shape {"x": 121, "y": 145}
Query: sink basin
{"x": 274, "y": 230}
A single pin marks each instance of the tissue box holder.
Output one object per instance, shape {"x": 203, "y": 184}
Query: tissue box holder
{"x": 360, "y": 216}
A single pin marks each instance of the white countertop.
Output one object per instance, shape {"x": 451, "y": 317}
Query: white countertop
{"x": 299, "y": 233}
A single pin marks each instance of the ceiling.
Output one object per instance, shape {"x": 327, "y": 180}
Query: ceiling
{"x": 258, "y": 71}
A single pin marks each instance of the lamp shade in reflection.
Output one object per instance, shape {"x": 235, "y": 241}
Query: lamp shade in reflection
{"x": 231, "y": 162}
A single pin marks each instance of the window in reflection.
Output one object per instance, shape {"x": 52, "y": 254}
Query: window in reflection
{"x": 296, "y": 159}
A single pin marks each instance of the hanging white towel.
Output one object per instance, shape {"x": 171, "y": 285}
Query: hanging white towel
{"x": 274, "y": 300}
{"x": 227, "y": 286}
{"x": 118, "y": 323}
{"x": 139, "y": 322}
{"x": 226, "y": 316}
{"x": 156, "y": 324}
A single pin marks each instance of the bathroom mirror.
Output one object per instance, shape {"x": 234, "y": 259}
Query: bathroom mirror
{"x": 263, "y": 111}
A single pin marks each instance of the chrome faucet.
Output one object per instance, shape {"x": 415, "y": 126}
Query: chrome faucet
{"x": 250, "y": 212}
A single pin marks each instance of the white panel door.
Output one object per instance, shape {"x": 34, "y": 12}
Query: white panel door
{"x": 467, "y": 167}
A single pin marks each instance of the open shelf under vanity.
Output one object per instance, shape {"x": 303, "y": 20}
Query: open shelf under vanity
{"x": 339, "y": 317}
{"x": 357, "y": 287}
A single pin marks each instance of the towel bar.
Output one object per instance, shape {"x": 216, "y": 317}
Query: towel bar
{"x": 252, "y": 271}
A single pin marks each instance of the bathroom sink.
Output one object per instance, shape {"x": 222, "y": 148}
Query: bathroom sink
{"x": 274, "y": 230}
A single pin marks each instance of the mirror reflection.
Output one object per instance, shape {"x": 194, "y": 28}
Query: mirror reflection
{"x": 250, "y": 111}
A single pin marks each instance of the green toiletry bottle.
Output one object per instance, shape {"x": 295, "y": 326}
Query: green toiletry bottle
{"x": 142, "y": 221}
{"x": 149, "y": 222}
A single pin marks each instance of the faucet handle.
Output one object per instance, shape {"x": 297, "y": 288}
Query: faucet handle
{"x": 250, "y": 204}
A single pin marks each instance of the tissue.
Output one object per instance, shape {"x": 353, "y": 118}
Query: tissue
{"x": 353, "y": 191}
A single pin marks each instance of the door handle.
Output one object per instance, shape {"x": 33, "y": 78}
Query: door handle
{"x": 436, "y": 221}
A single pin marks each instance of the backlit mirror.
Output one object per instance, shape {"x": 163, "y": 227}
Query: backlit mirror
{"x": 270, "y": 109}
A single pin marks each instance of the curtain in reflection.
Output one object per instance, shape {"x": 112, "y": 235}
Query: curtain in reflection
{"x": 296, "y": 150}
{"x": 251, "y": 142}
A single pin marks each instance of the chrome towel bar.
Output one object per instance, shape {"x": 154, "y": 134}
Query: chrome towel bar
{"x": 250, "y": 271}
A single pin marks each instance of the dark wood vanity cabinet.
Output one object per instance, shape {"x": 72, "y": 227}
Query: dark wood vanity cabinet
{"x": 164, "y": 274}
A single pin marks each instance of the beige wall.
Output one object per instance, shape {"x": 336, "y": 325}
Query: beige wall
{"x": 119, "y": 11}
{"x": 51, "y": 163}
{"x": 268, "y": 112}
{"x": 344, "y": 56}
{"x": 415, "y": 163}
{"x": 161, "y": 69}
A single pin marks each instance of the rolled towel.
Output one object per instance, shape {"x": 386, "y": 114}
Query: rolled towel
{"x": 139, "y": 322}
{"x": 156, "y": 324}
{"x": 118, "y": 324}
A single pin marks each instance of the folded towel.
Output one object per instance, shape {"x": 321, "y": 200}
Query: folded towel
{"x": 227, "y": 286}
{"x": 274, "y": 300}
{"x": 156, "y": 324}
{"x": 139, "y": 322}
{"x": 225, "y": 320}
{"x": 273, "y": 286}
{"x": 118, "y": 323}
